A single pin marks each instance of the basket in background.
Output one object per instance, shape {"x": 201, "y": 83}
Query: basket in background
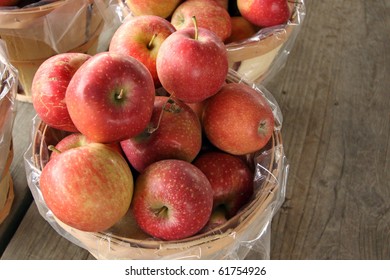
{"x": 34, "y": 34}
{"x": 261, "y": 56}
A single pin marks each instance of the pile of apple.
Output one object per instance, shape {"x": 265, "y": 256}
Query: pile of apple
{"x": 154, "y": 127}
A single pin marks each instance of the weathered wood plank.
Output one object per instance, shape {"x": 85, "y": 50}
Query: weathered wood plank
{"x": 37, "y": 240}
{"x": 334, "y": 96}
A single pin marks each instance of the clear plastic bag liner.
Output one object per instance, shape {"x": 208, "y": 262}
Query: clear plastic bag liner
{"x": 8, "y": 90}
{"x": 245, "y": 235}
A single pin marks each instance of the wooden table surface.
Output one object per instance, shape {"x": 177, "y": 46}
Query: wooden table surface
{"x": 334, "y": 95}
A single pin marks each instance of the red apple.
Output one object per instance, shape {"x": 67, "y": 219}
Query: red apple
{"x": 223, "y": 3}
{"x": 172, "y": 200}
{"x": 209, "y": 14}
{"x": 197, "y": 108}
{"x": 230, "y": 178}
{"x": 152, "y": 7}
{"x": 241, "y": 29}
{"x": 177, "y": 135}
{"x": 238, "y": 119}
{"x": 265, "y": 13}
{"x": 217, "y": 218}
{"x": 89, "y": 188}
{"x": 76, "y": 140}
{"x": 192, "y": 66}
{"x": 141, "y": 38}
{"x": 110, "y": 98}
{"x": 9, "y": 2}
{"x": 49, "y": 87}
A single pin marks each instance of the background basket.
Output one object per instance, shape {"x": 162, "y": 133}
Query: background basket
{"x": 260, "y": 57}
{"x": 34, "y": 34}
{"x": 244, "y": 232}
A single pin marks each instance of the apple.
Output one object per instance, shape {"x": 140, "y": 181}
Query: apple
{"x": 192, "y": 64}
{"x": 241, "y": 29}
{"x": 265, "y": 13}
{"x": 223, "y": 3}
{"x": 230, "y": 178}
{"x": 209, "y": 14}
{"x": 173, "y": 133}
{"x": 9, "y": 2}
{"x": 89, "y": 187}
{"x": 238, "y": 119}
{"x": 152, "y": 7}
{"x": 75, "y": 140}
{"x": 49, "y": 86}
{"x": 197, "y": 108}
{"x": 110, "y": 97}
{"x": 217, "y": 218}
{"x": 141, "y": 38}
{"x": 172, "y": 200}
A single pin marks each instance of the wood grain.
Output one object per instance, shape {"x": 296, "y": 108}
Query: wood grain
{"x": 333, "y": 93}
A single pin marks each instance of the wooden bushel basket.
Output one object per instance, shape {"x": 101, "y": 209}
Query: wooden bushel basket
{"x": 125, "y": 240}
{"x": 259, "y": 56}
{"x": 34, "y": 34}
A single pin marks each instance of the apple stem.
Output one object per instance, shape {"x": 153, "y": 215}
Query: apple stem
{"x": 169, "y": 108}
{"x": 196, "y": 27}
{"x": 119, "y": 96}
{"x": 152, "y": 40}
{"x": 54, "y": 149}
{"x": 161, "y": 211}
